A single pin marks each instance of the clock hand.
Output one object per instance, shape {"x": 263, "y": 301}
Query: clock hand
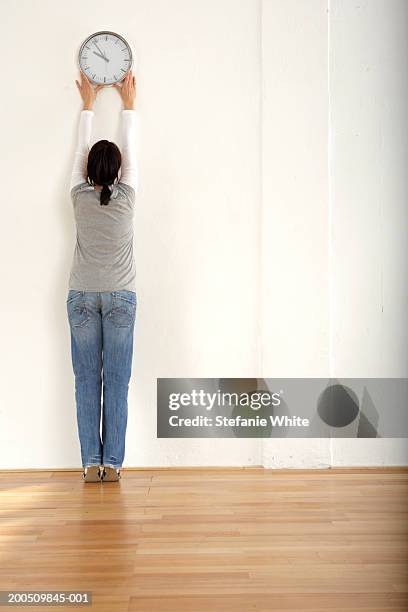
{"x": 101, "y": 52}
{"x": 102, "y": 56}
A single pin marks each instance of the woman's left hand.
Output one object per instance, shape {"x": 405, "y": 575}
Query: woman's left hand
{"x": 88, "y": 91}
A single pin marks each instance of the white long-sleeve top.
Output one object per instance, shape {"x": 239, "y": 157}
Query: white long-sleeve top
{"x": 103, "y": 258}
{"x": 130, "y": 145}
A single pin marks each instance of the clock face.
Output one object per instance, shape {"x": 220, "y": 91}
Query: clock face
{"x": 105, "y": 58}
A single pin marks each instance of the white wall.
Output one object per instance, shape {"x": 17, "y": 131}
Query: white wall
{"x": 294, "y": 305}
{"x": 246, "y": 164}
{"x": 369, "y": 193}
{"x": 196, "y": 221}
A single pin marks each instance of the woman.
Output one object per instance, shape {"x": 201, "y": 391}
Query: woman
{"x": 101, "y": 301}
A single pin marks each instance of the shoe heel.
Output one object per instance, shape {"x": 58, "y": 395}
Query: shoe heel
{"x": 91, "y": 474}
{"x": 110, "y": 474}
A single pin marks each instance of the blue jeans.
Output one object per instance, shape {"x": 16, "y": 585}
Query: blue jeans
{"x": 102, "y": 325}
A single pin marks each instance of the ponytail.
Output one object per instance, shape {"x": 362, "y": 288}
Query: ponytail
{"x": 105, "y": 195}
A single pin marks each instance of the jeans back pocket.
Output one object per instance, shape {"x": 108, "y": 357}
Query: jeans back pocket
{"x": 78, "y": 314}
{"x": 123, "y": 310}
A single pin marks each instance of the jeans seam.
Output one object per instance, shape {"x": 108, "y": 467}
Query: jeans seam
{"x": 121, "y": 297}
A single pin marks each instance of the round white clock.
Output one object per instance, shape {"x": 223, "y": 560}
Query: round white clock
{"x": 105, "y": 58}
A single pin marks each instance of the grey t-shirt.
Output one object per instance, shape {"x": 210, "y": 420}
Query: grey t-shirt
{"x": 103, "y": 258}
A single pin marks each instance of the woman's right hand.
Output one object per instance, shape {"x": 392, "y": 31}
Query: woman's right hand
{"x": 127, "y": 90}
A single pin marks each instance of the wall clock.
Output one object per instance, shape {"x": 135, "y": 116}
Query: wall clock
{"x": 105, "y": 58}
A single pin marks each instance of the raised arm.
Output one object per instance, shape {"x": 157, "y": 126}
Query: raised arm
{"x": 130, "y": 132}
{"x": 88, "y": 94}
{"x": 130, "y": 148}
{"x": 78, "y": 174}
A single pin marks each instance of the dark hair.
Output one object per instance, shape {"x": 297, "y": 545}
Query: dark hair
{"x": 104, "y": 160}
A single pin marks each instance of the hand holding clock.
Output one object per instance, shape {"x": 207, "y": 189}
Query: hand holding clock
{"x": 127, "y": 91}
{"x": 87, "y": 91}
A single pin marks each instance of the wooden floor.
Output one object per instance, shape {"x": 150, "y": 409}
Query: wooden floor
{"x": 210, "y": 540}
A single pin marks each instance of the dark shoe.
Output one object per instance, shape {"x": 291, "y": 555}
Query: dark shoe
{"x": 110, "y": 474}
